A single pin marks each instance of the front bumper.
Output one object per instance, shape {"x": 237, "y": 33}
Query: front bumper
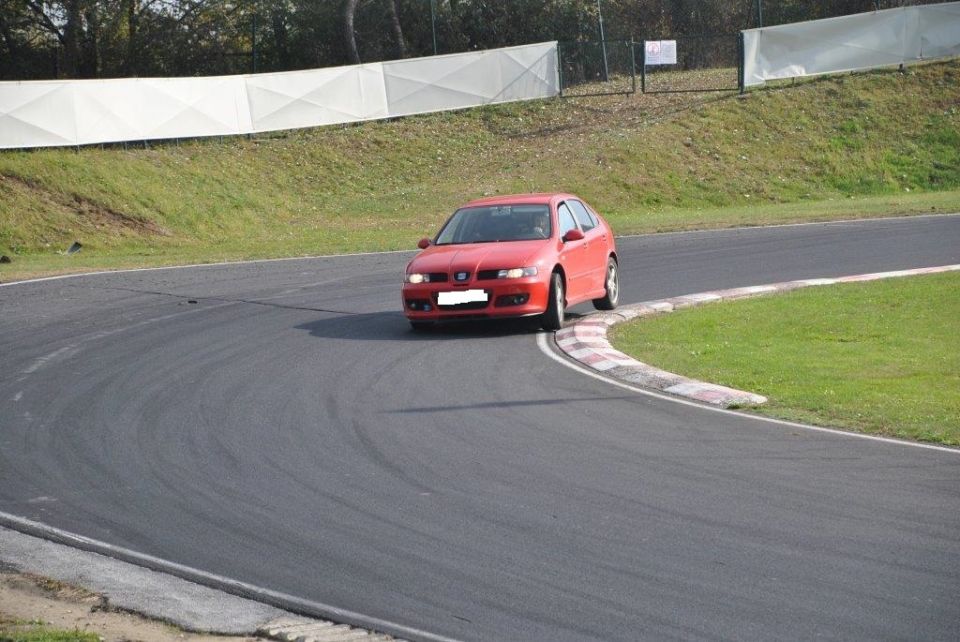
{"x": 505, "y": 298}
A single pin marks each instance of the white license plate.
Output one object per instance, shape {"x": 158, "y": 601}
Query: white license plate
{"x": 463, "y": 296}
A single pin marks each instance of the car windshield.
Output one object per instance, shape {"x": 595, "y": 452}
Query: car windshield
{"x": 494, "y": 223}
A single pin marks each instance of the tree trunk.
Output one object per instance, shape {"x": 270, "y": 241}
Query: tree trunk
{"x": 281, "y": 37}
{"x": 394, "y": 8}
{"x": 93, "y": 57}
{"x": 349, "y": 9}
{"x": 132, "y": 65}
{"x": 71, "y": 39}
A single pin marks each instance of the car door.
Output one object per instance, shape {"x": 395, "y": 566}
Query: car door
{"x": 596, "y": 246}
{"x": 573, "y": 256}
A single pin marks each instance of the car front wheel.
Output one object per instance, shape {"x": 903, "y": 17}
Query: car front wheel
{"x": 612, "y": 286}
{"x": 553, "y": 318}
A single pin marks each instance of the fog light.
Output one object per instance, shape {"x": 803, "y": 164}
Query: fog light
{"x": 421, "y": 305}
{"x": 512, "y": 299}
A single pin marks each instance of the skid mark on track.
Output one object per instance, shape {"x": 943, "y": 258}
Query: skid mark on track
{"x": 63, "y": 353}
{"x": 194, "y": 299}
{"x": 381, "y": 458}
{"x": 73, "y": 349}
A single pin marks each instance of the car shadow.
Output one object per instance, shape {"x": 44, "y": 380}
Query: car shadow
{"x": 393, "y": 326}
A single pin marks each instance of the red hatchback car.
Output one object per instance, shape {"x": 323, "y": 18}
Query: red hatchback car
{"x": 513, "y": 256}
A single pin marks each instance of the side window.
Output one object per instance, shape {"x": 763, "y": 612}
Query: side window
{"x": 593, "y": 216}
{"x": 586, "y": 221}
{"x": 567, "y": 222}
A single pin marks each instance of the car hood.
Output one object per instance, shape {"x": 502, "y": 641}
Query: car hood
{"x": 472, "y": 257}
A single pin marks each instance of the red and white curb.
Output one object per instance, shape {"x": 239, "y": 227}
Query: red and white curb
{"x": 297, "y": 629}
{"x": 586, "y": 341}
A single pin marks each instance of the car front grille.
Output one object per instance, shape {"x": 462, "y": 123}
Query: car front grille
{"x": 464, "y": 317}
{"x": 473, "y": 305}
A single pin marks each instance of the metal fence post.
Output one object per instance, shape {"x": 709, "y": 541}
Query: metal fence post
{"x": 253, "y": 44}
{"x": 633, "y": 66}
{"x": 741, "y": 63}
{"x": 603, "y": 45}
{"x": 560, "y": 67}
{"x": 643, "y": 66}
{"x": 433, "y": 24}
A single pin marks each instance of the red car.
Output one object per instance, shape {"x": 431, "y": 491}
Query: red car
{"x": 513, "y": 256}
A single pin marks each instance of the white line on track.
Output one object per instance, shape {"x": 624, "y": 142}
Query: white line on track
{"x": 202, "y": 265}
{"x": 742, "y": 228}
{"x": 336, "y": 256}
{"x": 219, "y": 582}
{"x": 544, "y": 345}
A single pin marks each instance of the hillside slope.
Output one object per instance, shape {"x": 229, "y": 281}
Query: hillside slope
{"x": 868, "y": 144}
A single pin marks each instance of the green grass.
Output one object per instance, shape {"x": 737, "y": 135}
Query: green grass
{"x": 880, "y": 357}
{"x": 36, "y": 631}
{"x": 871, "y": 144}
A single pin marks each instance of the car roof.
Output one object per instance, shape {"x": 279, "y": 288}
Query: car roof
{"x": 520, "y": 199}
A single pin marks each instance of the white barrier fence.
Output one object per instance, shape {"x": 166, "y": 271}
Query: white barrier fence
{"x": 850, "y": 43}
{"x": 83, "y": 112}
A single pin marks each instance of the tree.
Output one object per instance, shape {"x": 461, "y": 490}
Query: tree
{"x": 349, "y": 12}
{"x": 280, "y": 27}
{"x": 393, "y": 7}
{"x": 108, "y": 38}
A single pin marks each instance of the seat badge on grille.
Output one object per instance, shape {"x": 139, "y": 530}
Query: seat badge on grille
{"x": 461, "y": 276}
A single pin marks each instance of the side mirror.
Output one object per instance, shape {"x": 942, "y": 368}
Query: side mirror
{"x": 423, "y": 243}
{"x": 573, "y": 235}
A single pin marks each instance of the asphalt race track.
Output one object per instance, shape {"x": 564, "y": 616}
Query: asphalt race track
{"x": 280, "y": 424}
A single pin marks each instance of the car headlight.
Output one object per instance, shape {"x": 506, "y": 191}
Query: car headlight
{"x": 517, "y": 273}
{"x": 416, "y": 277}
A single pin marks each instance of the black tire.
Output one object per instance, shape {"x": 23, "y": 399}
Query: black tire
{"x": 611, "y": 298}
{"x": 552, "y": 319}
{"x": 420, "y": 326}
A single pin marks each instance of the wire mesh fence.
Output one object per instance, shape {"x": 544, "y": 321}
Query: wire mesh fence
{"x": 696, "y": 63}
{"x": 701, "y": 63}
{"x": 597, "y": 68}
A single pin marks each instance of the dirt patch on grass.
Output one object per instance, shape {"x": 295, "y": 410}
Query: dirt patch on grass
{"x": 31, "y": 602}
{"x": 88, "y": 211}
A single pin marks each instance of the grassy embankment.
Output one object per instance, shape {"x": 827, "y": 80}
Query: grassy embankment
{"x": 871, "y": 144}
{"x": 880, "y": 357}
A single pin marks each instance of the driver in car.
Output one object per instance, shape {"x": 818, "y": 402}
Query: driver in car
{"x": 539, "y": 225}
